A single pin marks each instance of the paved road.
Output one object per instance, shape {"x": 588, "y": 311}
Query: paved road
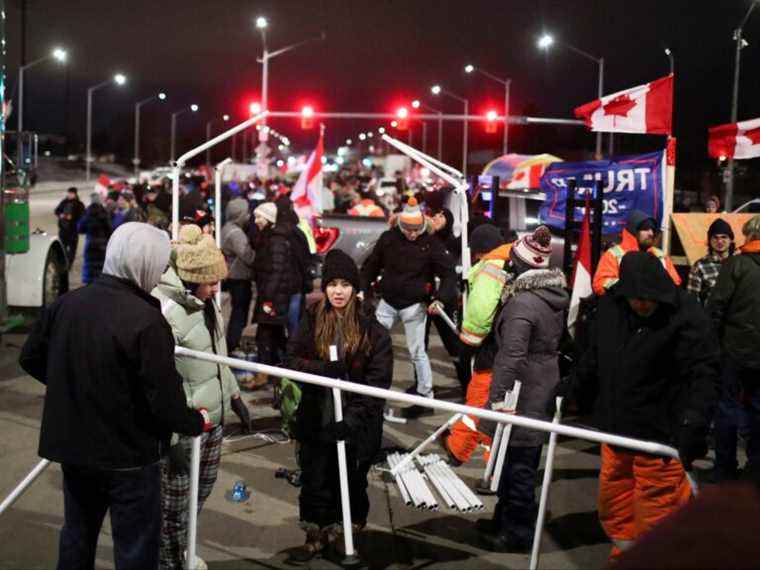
{"x": 258, "y": 534}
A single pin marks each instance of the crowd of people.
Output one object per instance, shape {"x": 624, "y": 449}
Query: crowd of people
{"x": 649, "y": 359}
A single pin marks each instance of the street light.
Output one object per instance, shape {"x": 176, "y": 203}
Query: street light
{"x": 57, "y": 54}
{"x": 438, "y": 90}
{"x": 119, "y": 79}
{"x": 740, "y": 44}
{"x": 193, "y": 108}
{"x": 381, "y": 130}
{"x": 416, "y": 104}
{"x": 225, "y": 118}
{"x": 349, "y": 142}
{"x": 669, "y": 53}
{"x": 546, "y": 41}
{"x": 507, "y": 83}
{"x": 136, "y": 160}
{"x": 261, "y": 22}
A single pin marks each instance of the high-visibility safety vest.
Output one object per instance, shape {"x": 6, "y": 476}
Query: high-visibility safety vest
{"x": 608, "y": 271}
{"x": 367, "y": 208}
{"x": 486, "y": 283}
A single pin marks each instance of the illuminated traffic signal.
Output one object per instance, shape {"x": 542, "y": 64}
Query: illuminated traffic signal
{"x": 491, "y": 122}
{"x": 307, "y": 117}
{"x": 254, "y": 108}
{"x": 403, "y": 118}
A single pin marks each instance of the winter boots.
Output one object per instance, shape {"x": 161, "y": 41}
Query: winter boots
{"x": 314, "y": 545}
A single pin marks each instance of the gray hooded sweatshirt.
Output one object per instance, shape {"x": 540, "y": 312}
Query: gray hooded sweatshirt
{"x": 139, "y": 253}
{"x": 235, "y": 245}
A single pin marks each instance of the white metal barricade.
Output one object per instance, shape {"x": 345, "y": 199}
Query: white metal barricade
{"x": 553, "y": 427}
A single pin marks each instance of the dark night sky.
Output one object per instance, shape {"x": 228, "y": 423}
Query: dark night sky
{"x": 378, "y": 53}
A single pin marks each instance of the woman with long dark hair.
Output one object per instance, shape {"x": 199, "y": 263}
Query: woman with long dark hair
{"x": 365, "y": 356}
{"x": 186, "y": 293}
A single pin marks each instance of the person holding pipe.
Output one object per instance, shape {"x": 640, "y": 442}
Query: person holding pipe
{"x": 186, "y": 292}
{"x": 365, "y": 356}
{"x": 114, "y": 397}
{"x": 650, "y": 371}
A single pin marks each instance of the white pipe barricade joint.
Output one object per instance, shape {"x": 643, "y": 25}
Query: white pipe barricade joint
{"x": 430, "y": 439}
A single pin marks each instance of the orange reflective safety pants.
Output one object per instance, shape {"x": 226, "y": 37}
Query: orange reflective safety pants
{"x": 465, "y": 436}
{"x": 636, "y": 492}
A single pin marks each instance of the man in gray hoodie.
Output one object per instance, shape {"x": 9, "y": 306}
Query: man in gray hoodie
{"x": 240, "y": 255}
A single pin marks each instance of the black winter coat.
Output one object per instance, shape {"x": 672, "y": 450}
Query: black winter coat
{"x": 644, "y": 376}
{"x": 276, "y": 274}
{"x": 362, "y": 414}
{"x": 408, "y": 270}
{"x": 734, "y": 307}
{"x": 114, "y": 396}
{"x": 69, "y": 213}
{"x": 96, "y": 225}
{"x": 528, "y": 331}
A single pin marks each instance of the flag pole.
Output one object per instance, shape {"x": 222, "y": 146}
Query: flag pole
{"x": 669, "y": 166}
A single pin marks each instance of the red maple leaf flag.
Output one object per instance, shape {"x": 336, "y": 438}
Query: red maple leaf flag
{"x": 735, "y": 140}
{"x": 307, "y": 191}
{"x": 582, "y": 274}
{"x": 642, "y": 109}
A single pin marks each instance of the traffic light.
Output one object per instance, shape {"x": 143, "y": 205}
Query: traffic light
{"x": 307, "y": 117}
{"x": 403, "y": 118}
{"x": 491, "y": 122}
{"x": 254, "y": 108}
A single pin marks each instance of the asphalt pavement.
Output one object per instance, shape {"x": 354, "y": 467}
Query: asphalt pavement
{"x": 260, "y": 532}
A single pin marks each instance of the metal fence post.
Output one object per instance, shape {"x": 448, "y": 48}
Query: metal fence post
{"x": 192, "y": 508}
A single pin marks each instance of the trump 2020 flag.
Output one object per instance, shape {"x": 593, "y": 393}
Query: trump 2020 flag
{"x": 307, "y": 191}
{"x": 582, "y": 275}
{"x": 642, "y": 109}
{"x": 735, "y": 140}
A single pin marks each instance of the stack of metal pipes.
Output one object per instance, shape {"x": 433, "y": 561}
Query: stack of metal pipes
{"x": 415, "y": 491}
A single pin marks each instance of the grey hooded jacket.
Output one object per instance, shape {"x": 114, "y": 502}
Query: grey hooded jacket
{"x": 528, "y": 331}
{"x": 235, "y": 245}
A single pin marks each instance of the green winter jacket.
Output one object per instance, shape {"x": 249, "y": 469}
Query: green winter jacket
{"x": 207, "y": 385}
{"x": 485, "y": 285}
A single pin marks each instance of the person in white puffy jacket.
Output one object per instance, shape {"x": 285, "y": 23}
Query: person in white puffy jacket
{"x": 186, "y": 292}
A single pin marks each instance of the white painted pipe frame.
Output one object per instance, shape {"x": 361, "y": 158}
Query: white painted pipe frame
{"x": 24, "y": 485}
{"x": 218, "y": 214}
{"x": 192, "y": 508}
{"x": 512, "y": 399}
{"x": 430, "y": 439}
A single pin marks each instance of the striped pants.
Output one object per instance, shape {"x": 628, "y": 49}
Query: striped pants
{"x": 175, "y": 497}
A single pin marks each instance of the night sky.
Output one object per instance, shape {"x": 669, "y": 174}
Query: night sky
{"x": 378, "y": 54}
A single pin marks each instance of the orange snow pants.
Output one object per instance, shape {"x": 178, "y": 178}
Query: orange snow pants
{"x": 636, "y": 492}
{"x": 465, "y": 437}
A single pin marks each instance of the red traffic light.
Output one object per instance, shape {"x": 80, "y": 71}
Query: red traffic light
{"x": 491, "y": 121}
{"x": 307, "y": 117}
{"x": 403, "y": 118}
{"x": 254, "y": 108}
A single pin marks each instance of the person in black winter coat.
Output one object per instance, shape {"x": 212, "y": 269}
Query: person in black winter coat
{"x": 96, "y": 225}
{"x": 69, "y": 211}
{"x": 409, "y": 259}
{"x": 651, "y": 372}
{"x": 365, "y": 356}
{"x": 114, "y": 397}
{"x": 277, "y": 279}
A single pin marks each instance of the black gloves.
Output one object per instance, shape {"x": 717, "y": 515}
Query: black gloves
{"x": 691, "y": 439}
{"x": 241, "y": 411}
{"x": 338, "y": 431}
{"x": 336, "y": 369}
{"x": 179, "y": 464}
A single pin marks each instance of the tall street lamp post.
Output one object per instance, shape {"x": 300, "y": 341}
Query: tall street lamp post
{"x": 507, "y": 83}
{"x": 741, "y": 43}
{"x": 136, "y": 160}
{"x": 438, "y": 90}
{"x": 119, "y": 79}
{"x": 59, "y": 55}
{"x": 546, "y": 41}
{"x": 193, "y": 108}
{"x": 417, "y": 104}
{"x": 224, "y": 118}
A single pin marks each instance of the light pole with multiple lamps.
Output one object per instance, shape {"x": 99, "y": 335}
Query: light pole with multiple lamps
{"x": 224, "y": 118}
{"x": 547, "y": 40}
{"x": 119, "y": 79}
{"x": 193, "y": 108}
{"x": 507, "y": 83}
{"x": 741, "y": 43}
{"x": 438, "y": 90}
{"x": 59, "y": 55}
{"x": 136, "y": 160}
{"x": 417, "y": 104}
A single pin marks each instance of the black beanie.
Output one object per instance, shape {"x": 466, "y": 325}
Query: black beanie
{"x": 720, "y": 226}
{"x": 485, "y": 238}
{"x": 339, "y": 265}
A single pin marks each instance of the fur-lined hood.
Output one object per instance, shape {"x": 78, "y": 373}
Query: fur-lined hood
{"x": 549, "y": 284}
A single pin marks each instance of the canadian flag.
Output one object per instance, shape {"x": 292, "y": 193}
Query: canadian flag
{"x": 642, "y": 109}
{"x": 735, "y": 140}
{"x": 307, "y": 192}
{"x": 582, "y": 274}
{"x": 102, "y": 186}
{"x": 527, "y": 177}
